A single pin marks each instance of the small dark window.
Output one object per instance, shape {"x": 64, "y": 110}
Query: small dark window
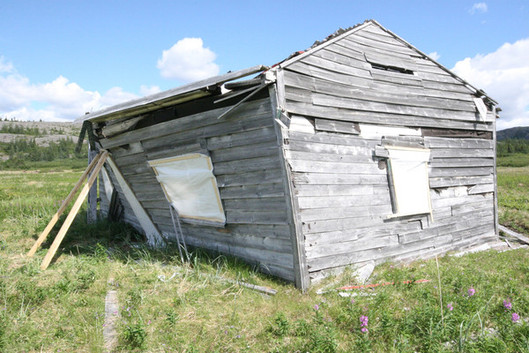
{"x": 391, "y": 68}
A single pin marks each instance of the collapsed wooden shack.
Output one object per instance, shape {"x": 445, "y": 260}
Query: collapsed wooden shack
{"x": 359, "y": 149}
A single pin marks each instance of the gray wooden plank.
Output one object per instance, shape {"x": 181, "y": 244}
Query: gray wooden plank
{"x": 337, "y": 167}
{"x": 252, "y": 191}
{"x": 251, "y": 150}
{"x": 334, "y": 113}
{"x": 350, "y": 202}
{"x": 460, "y": 171}
{"x": 277, "y": 204}
{"x": 397, "y": 109}
{"x": 342, "y": 50}
{"x": 445, "y": 142}
{"x": 308, "y": 190}
{"x": 461, "y": 162}
{"x": 356, "y": 61}
{"x": 333, "y": 139}
{"x": 264, "y": 134}
{"x": 267, "y": 176}
{"x": 458, "y": 181}
{"x": 325, "y": 153}
{"x": 256, "y": 217}
{"x": 247, "y": 165}
{"x": 334, "y": 66}
{"x": 339, "y": 179}
{"x": 480, "y": 189}
{"x": 330, "y": 249}
{"x": 462, "y": 153}
{"x": 328, "y": 213}
{"x": 336, "y": 126}
{"x": 331, "y": 76}
{"x": 362, "y": 43}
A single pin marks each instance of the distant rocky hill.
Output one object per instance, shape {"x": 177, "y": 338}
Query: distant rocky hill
{"x": 520, "y": 132}
{"x": 42, "y": 132}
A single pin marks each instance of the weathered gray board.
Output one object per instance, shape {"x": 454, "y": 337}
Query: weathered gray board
{"x": 244, "y": 152}
{"x": 342, "y": 189}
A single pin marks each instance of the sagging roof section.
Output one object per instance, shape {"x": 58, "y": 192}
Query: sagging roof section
{"x": 170, "y": 97}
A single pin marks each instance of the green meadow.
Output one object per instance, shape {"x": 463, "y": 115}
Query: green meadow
{"x": 474, "y": 303}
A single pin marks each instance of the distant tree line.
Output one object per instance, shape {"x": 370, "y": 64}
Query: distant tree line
{"x": 22, "y": 130}
{"x": 511, "y": 146}
{"x": 31, "y": 131}
{"x": 23, "y": 150}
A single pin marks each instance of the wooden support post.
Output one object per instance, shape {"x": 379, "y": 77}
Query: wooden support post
{"x": 73, "y": 212}
{"x": 154, "y": 237}
{"x": 91, "y": 213}
{"x": 61, "y": 209}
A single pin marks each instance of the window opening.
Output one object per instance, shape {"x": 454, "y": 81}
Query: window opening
{"x": 408, "y": 170}
{"x": 191, "y": 187}
{"x": 391, "y": 68}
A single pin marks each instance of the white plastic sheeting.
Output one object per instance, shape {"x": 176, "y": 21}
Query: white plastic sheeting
{"x": 190, "y": 186}
{"x": 409, "y": 173}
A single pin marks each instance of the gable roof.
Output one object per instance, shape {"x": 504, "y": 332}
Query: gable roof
{"x": 342, "y": 33}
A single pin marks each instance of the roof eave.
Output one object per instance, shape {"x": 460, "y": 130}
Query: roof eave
{"x": 170, "y": 97}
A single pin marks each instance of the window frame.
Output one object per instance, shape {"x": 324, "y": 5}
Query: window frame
{"x": 398, "y": 189}
{"x": 219, "y": 221}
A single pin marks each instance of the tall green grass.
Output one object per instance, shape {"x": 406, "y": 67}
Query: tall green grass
{"x": 513, "y": 198}
{"x": 169, "y": 306}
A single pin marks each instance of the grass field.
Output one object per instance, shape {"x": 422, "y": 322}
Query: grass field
{"x": 475, "y": 303}
{"x": 513, "y": 191}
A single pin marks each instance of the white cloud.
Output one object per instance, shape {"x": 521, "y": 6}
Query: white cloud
{"x": 148, "y": 90}
{"x": 59, "y": 100}
{"x": 504, "y": 75}
{"x": 5, "y": 66}
{"x": 478, "y": 7}
{"x": 434, "y": 55}
{"x": 188, "y": 61}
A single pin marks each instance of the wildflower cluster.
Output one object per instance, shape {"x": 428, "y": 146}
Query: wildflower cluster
{"x": 508, "y": 306}
{"x": 363, "y": 323}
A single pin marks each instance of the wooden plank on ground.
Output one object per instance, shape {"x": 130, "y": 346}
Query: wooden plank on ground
{"x": 513, "y": 234}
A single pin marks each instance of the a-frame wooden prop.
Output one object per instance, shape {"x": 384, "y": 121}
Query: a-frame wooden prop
{"x": 94, "y": 168}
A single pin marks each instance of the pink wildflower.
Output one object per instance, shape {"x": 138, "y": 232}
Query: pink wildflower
{"x": 515, "y": 317}
{"x": 364, "y": 320}
{"x": 471, "y": 291}
{"x": 507, "y": 305}
{"x": 364, "y": 329}
{"x": 316, "y": 307}
{"x": 449, "y": 307}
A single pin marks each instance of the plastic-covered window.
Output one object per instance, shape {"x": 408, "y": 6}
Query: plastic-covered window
{"x": 191, "y": 187}
{"x": 409, "y": 175}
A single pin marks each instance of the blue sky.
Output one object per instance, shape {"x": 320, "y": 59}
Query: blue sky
{"x": 59, "y": 59}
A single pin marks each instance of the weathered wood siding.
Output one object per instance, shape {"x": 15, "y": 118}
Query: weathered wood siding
{"x": 341, "y": 188}
{"x": 243, "y": 148}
